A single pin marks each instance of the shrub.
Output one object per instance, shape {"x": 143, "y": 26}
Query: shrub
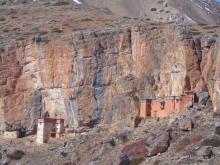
{"x": 61, "y": 3}
{"x": 214, "y": 142}
{"x": 135, "y": 161}
{"x": 160, "y": 2}
{"x": 196, "y": 33}
{"x": 86, "y": 19}
{"x": 185, "y": 141}
{"x": 215, "y": 35}
{"x": 2, "y": 18}
{"x": 156, "y": 162}
{"x": 153, "y": 9}
{"x": 57, "y": 30}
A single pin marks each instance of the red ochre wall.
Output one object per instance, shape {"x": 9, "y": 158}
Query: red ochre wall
{"x": 170, "y": 107}
{"x": 153, "y": 108}
{"x": 185, "y": 100}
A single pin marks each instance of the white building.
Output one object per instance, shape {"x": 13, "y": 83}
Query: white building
{"x": 11, "y": 134}
{"x": 49, "y": 127}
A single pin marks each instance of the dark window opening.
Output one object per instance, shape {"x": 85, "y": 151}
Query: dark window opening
{"x": 162, "y": 105}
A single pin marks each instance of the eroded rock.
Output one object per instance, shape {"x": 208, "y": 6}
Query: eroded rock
{"x": 102, "y": 75}
{"x": 6, "y": 161}
{"x": 205, "y": 152}
{"x": 203, "y": 98}
{"x": 15, "y": 154}
{"x": 159, "y": 144}
{"x": 186, "y": 124}
{"x": 213, "y": 141}
{"x": 124, "y": 160}
{"x": 136, "y": 150}
{"x": 217, "y": 128}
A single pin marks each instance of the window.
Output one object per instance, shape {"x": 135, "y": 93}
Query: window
{"x": 162, "y": 105}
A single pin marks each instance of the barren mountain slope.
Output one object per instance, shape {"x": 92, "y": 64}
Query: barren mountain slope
{"x": 199, "y": 11}
{"x": 85, "y": 64}
{"x": 81, "y": 63}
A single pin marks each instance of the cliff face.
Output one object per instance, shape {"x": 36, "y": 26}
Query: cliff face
{"x": 211, "y": 71}
{"x": 97, "y": 75}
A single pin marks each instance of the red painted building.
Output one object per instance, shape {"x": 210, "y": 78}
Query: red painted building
{"x": 163, "y": 107}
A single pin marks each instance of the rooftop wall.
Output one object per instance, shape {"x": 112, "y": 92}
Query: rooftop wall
{"x": 163, "y": 107}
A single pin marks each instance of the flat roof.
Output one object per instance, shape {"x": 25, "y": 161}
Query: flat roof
{"x": 161, "y": 98}
{"x": 50, "y": 120}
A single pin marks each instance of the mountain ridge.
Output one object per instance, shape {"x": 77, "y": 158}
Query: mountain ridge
{"x": 198, "y": 11}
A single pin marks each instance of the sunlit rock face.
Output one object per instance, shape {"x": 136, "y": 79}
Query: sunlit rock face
{"x": 96, "y": 75}
{"x": 210, "y": 69}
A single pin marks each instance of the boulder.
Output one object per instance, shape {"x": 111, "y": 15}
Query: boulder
{"x": 159, "y": 145}
{"x": 216, "y": 151}
{"x": 64, "y": 154}
{"x": 124, "y": 160}
{"x": 150, "y": 139}
{"x": 204, "y": 152}
{"x": 136, "y": 161}
{"x": 123, "y": 136}
{"x": 217, "y": 128}
{"x": 213, "y": 141}
{"x": 65, "y": 151}
{"x": 15, "y": 154}
{"x": 5, "y": 161}
{"x": 104, "y": 150}
{"x": 67, "y": 163}
{"x": 185, "y": 141}
{"x": 75, "y": 158}
{"x": 196, "y": 138}
{"x": 203, "y": 98}
{"x": 111, "y": 142}
{"x": 136, "y": 150}
{"x": 174, "y": 135}
{"x": 186, "y": 125}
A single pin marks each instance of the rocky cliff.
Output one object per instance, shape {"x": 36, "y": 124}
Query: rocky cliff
{"x": 210, "y": 70}
{"x": 99, "y": 75}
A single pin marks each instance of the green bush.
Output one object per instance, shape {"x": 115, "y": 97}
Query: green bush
{"x": 153, "y": 9}
{"x": 156, "y": 162}
{"x": 136, "y": 161}
{"x": 215, "y": 35}
{"x": 214, "y": 142}
{"x": 196, "y": 33}
{"x": 2, "y": 18}
{"x": 185, "y": 141}
{"x": 61, "y": 3}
